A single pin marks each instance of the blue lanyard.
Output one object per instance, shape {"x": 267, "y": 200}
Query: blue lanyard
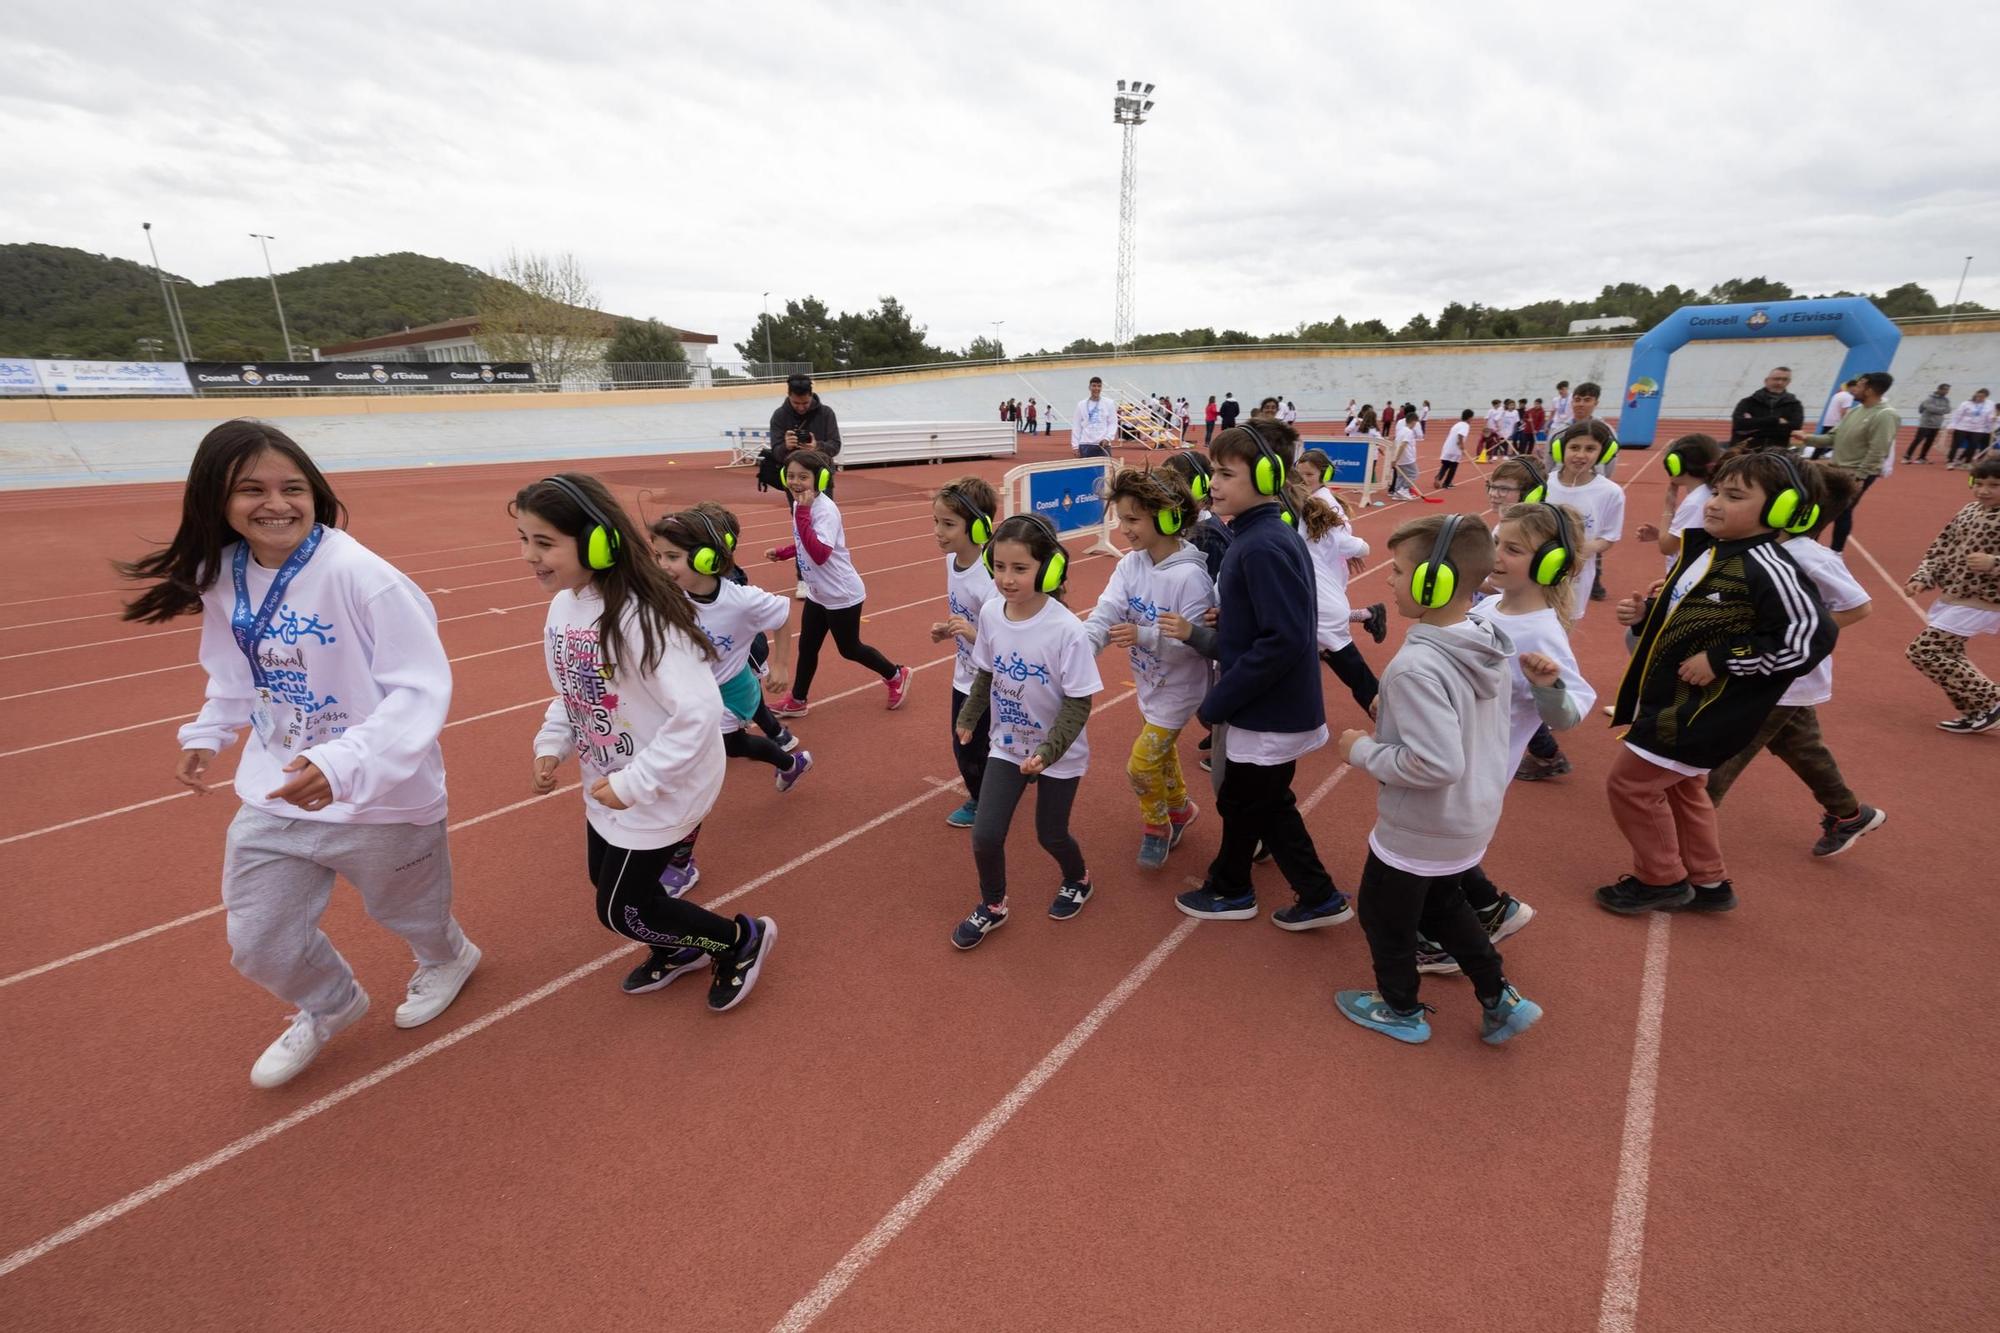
{"x": 248, "y": 629}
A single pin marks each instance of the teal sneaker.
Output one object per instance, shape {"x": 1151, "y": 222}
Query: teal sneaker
{"x": 1506, "y": 1018}
{"x": 964, "y": 816}
{"x": 1369, "y": 1010}
{"x": 1154, "y": 844}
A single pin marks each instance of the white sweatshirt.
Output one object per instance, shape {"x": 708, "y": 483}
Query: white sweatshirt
{"x": 358, "y": 679}
{"x": 657, "y": 737}
{"x": 1171, "y": 675}
{"x": 1330, "y": 555}
{"x": 1536, "y": 632}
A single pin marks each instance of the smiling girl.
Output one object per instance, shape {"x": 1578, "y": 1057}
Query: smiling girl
{"x": 332, "y": 657}
{"x": 1037, "y": 674}
{"x": 637, "y": 705}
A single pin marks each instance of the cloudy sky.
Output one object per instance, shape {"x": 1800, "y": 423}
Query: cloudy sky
{"x": 1304, "y": 159}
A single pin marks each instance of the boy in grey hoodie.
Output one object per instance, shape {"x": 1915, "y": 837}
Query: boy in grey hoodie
{"x": 1440, "y": 752}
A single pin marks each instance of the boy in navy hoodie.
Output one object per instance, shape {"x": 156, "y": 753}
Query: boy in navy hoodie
{"x": 1265, "y": 706}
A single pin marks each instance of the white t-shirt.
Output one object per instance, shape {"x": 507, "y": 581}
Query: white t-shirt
{"x": 966, "y": 592}
{"x": 1036, "y": 664}
{"x": 739, "y": 613}
{"x": 1330, "y": 555}
{"x": 1687, "y": 514}
{"x": 1508, "y": 421}
{"x": 1288, "y": 414}
{"x": 658, "y": 737}
{"x": 358, "y": 679}
{"x": 1841, "y": 592}
{"x": 836, "y": 584}
{"x": 1535, "y": 632}
{"x": 1562, "y": 414}
{"x": 1836, "y": 409}
{"x": 1095, "y": 422}
{"x": 1974, "y": 417}
{"x": 1270, "y": 748}
{"x": 1171, "y": 676}
{"x": 1406, "y": 444}
{"x": 1602, "y": 505}
{"x": 1453, "y": 449}
{"x": 1424, "y": 415}
{"x": 1493, "y": 416}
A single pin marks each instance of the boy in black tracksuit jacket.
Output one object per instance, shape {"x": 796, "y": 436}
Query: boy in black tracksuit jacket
{"x": 1733, "y": 624}
{"x": 1265, "y": 707}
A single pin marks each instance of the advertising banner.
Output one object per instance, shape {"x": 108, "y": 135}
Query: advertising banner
{"x": 17, "y": 377}
{"x": 1070, "y": 497}
{"x": 357, "y": 374}
{"x": 80, "y": 379}
{"x": 1350, "y": 458}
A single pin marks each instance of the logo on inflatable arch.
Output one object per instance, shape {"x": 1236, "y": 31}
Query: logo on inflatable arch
{"x": 1758, "y": 318}
{"x": 1646, "y": 387}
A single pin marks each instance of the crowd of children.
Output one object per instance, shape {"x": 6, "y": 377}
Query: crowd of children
{"x": 1233, "y": 593}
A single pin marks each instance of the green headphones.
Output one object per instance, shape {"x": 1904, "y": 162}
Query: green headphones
{"x": 1198, "y": 482}
{"x": 1054, "y": 567}
{"x": 599, "y": 545}
{"x": 1673, "y": 463}
{"x": 1538, "y": 492}
{"x": 978, "y": 523}
{"x": 1555, "y": 555}
{"x": 1789, "y": 509}
{"x": 708, "y": 558}
{"x": 1168, "y": 522}
{"x": 822, "y": 477}
{"x": 1268, "y": 473}
{"x": 1610, "y": 450}
{"x": 1434, "y": 581}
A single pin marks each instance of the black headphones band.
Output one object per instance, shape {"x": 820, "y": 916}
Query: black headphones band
{"x": 583, "y": 502}
{"x": 967, "y": 507}
{"x": 717, "y": 540}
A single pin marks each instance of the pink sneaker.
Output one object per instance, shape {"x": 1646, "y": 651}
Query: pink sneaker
{"x": 789, "y": 707}
{"x": 899, "y": 687}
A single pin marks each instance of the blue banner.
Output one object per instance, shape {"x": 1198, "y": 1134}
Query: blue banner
{"x": 1350, "y": 458}
{"x": 1069, "y": 497}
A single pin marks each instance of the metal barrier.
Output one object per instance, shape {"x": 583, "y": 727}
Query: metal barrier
{"x": 1069, "y": 493}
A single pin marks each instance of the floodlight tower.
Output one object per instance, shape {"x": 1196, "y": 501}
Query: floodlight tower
{"x": 1129, "y": 107}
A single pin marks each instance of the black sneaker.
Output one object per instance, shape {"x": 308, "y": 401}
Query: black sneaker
{"x": 1070, "y": 898}
{"x": 659, "y": 970}
{"x": 1432, "y": 960}
{"x": 736, "y": 971}
{"x": 1333, "y": 912}
{"x": 1986, "y": 721}
{"x": 1597, "y": 593}
{"x": 1630, "y": 896}
{"x": 983, "y": 922}
{"x": 1707, "y": 898}
{"x": 1377, "y": 623}
{"x": 1837, "y": 835}
{"x": 784, "y": 740}
{"x": 1261, "y": 855}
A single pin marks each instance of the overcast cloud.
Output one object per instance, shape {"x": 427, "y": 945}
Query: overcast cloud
{"x": 1304, "y": 159}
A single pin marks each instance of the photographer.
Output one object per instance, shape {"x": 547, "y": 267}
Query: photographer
{"x": 802, "y": 421}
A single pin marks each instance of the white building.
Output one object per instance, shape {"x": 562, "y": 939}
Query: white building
{"x": 458, "y": 340}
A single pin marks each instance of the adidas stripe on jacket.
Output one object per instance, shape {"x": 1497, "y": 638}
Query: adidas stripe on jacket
{"x": 1761, "y": 624}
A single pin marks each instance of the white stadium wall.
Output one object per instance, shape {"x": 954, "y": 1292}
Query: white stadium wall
{"x": 54, "y": 442}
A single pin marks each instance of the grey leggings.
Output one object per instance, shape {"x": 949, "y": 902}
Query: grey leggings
{"x": 1000, "y": 791}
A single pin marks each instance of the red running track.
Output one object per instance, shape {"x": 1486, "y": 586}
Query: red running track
{"x": 1129, "y": 1120}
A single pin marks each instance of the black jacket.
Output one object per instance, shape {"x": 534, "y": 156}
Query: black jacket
{"x": 1761, "y": 624}
{"x": 1266, "y": 638}
{"x": 817, "y": 421}
{"x": 1766, "y": 418}
{"x": 1230, "y": 407}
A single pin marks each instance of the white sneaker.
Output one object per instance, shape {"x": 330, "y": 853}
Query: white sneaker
{"x": 285, "y": 1058}
{"x": 434, "y": 987}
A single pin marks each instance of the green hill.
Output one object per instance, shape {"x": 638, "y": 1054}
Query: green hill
{"x": 58, "y": 301}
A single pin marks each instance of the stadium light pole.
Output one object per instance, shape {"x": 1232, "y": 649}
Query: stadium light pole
{"x": 996, "y": 337}
{"x": 1960, "y": 292}
{"x": 167, "y": 297}
{"x": 1129, "y": 108}
{"x": 174, "y": 300}
{"x": 767, "y": 334}
{"x": 271, "y": 273}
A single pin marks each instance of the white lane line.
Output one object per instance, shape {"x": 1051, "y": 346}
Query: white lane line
{"x": 1916, "y": 609}
{"x": 897, "y": 1219}
{"x": 91, "y": 819}
{"x": 196, "y": 629}
{"x": 166, "y": 1185}
{"x": 1618, "y": 1308}
{"x": 91, "y": 736}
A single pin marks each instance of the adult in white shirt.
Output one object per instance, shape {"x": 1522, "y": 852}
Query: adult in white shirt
{"x": 1971, "y": 429}
{"x": 1095, "y": 425}
{"x": 1837, "y": 407}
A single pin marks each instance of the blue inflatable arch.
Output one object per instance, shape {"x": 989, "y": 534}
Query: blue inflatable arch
{"x": 1869, "y": 335}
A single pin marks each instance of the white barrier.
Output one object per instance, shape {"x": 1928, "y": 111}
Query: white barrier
{"x": 1069, "y": 493}
{"x": 869, "y": 443}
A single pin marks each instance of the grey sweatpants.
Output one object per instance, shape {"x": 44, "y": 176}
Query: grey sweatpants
{"x": 277, "y": 878}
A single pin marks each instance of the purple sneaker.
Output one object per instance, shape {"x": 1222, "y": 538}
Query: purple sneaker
{"x": 789, "y": 777}
{"x": 677, "y": 879}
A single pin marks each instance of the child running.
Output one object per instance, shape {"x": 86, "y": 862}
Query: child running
{"x": 1734, "y": 624}
{"x": 1961, "y": 565}
{"x": 1037, "y": 674}
{"x": 331, "y": 657}
{"x": 1440, "y": 754}
{"x": 1452, "y": 452}
{"x": 1534, "y": 563}
{"x": 697, "y": 548}
{"x": 1792, "y": 732}
{"x": 834, "y": 591}
{"x": 1317, "y": 473}
{"x": 1266, "y": 703}
{"x": 962, "y": 518}
{"x": 1688, "y": 460}
{"x": 1598, "y": 498}
{"x": 636, "y": 702}
{"x": 1335, "y": 551}
{"x": 1161, "y": 575}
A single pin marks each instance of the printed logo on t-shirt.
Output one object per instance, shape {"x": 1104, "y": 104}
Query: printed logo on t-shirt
{"x": 595, "y": 726}
{"x": 313, "y": 718}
